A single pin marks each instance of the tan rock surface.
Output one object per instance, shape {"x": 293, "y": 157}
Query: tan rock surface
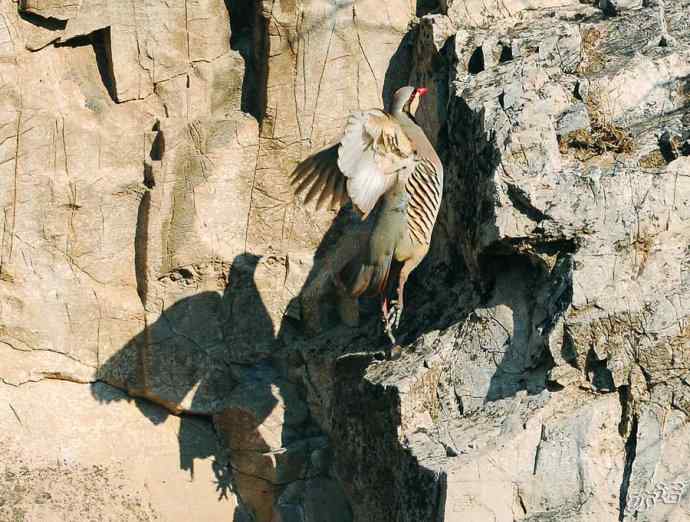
{"x": 68, "y": 457}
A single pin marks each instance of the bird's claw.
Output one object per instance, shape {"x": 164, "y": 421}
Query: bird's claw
{"x": 391, "y": 320}
{"x": 395, "y": 314}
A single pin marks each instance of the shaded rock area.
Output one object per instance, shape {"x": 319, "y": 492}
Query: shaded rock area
{"x": 170, "y": 345}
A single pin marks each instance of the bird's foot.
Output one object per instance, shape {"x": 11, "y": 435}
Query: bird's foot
{"x": 389, "y": 333}
{"x": 391, "y": 319}
{"x": 395, "y": 352}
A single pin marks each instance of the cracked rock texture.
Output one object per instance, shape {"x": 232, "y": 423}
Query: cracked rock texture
{"x": 169, "y": 342}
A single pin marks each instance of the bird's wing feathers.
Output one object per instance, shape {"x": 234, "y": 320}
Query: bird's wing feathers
{"x": 361, "y": 167}
{"x": 374, "y": 147}
{"x": 320, "y": 176}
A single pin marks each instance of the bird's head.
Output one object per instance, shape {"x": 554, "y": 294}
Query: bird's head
{"x": 406, "y": 99}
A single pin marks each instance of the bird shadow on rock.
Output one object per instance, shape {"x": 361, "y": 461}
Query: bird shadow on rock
{"x": 213, "y": 355}
{"x": 191, "y": 358}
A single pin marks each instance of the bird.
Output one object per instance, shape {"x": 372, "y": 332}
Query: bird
{"x": 387, "y": 167}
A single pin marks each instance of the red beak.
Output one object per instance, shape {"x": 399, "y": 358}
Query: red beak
{"x": 422, "y": 91}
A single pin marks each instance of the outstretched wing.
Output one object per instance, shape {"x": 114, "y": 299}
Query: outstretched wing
{"x": 320, "y": 176}
{"x": 361, "y": 167}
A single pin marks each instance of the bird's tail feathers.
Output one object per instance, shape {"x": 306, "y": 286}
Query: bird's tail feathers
{"x": 361, "y": 277}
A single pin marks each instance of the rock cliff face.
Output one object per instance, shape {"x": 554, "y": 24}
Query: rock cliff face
{"x": 169, "y": 342}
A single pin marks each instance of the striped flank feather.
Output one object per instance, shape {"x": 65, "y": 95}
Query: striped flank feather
{"x": 423, "y": 188}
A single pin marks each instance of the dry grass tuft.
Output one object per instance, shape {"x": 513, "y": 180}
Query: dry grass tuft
{"x": 653, "y": 160}
{"x": 603, "y": 137}
{"x": 592, "y": 58}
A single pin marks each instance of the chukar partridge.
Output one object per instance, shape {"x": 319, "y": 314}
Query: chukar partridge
{"x": 387, "y": 167}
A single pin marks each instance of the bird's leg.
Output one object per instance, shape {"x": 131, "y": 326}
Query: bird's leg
{"x": 386, "y": 308}
{"x": 392, "y": 314}
{"x": 398, "y": 305}
{"x": 385, "y": 311}
{"x": 395, "y": 313}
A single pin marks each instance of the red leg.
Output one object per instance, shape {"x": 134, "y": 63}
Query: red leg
{"x": 407, "y": 268}
{"x": 386, "y": 311}
{"x": 401, "y": 291}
